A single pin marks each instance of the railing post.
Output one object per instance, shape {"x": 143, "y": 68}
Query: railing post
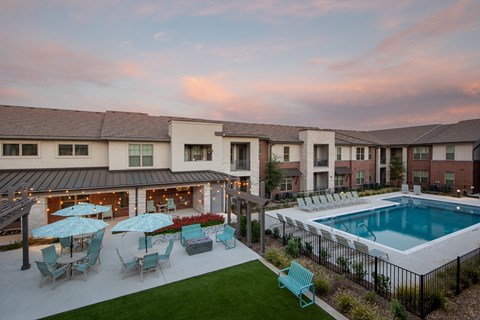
{"x": 422, "y": 300}
{"x": 284, "y": 235}
{"x": 375, "y": 279}
{"x": 319, "y": 249}
{"x": 457, "y": 287}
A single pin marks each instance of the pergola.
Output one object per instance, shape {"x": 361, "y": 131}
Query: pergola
{"x": 14, "y": 208}
{"x": 233, "y": 191}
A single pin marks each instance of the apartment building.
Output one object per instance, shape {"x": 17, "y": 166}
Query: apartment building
{"x": 125, "y": 159}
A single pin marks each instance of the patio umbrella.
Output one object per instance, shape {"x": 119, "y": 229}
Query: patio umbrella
{"x": 81, "y": 209}
{"x": 69, "y": 227}
{"x": 144, "y": 223}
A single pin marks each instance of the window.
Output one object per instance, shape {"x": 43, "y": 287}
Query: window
{"x": 360, "y": 177}
{"x": 122, "y": 199}
{"x": 449, "y": 178}
{"x": 68, "y": 201}
{"x": 370, "y": 151}
{"x": 360, "y": 153}
{"x": 420, "y": 153}
{"x": 67, "y": 150}
{"x": 450, "y": 153}
{"x": 286, "y": 184}
{"x": 19, "y": 149}
{"x": 339, "y": 153}
{"x": 140, "y": 155}
{"x": 338, "y": 181}
{"x": 198, "y": 152}
{"x": 420, "y": 176}
{"x": 286, "y": 154}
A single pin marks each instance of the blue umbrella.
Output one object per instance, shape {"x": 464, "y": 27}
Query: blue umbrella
{"x": 81, "y": 209}
{"x": 69, "y": 227}
{"x": 144, "y": 223}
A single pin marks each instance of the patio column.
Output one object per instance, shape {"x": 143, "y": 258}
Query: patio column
{"x": 26, "y": 262}
{"x": 262, "y": 229}
{"x": 249, "y": 225}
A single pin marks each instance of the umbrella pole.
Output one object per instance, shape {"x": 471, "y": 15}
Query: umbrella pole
{"x": 146, "y": 248}
{"x": 71, "y": 246}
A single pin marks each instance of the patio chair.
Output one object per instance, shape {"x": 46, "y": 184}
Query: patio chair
{"x": 339, "y": 200}
{"x": 166, "y": 256}
{"x": 325, "y": 202}
{"x": 327, "y": 235}
{"x": 141, "y": 243}
{"x": 127, "y": 265}
{"x": 65, "y": 244}
{"x": 108, "y": 213}
{"x": 417, "y": 189}
{"x": 303, "y": 206}
{"x": 171, "y": 205}
{"x": 88, "y": 263}
{"x": 50, "y": 255}
{"x": 346, "y": 199}
{"x": 313, "y": 230}
{"x": 318, "y": 203}
{"x": 227, "y": 235}
{"x": 344, "y": 241}
{"x": 332, "y": 201}
{"x": 151, "y": 206}
{"x": 405, "y": 188}
{"x": 309, "y": 203}
{"x": 357, "y": 197}
{"x": 352, "y": 199}
{"x": 50, "y": 271}
{"x": 149, "y": 263}
{"x": 300, "y": 225}
{"x": 373, "y": 252}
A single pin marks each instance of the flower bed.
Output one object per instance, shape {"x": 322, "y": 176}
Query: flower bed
{"x": 204, "y": 219}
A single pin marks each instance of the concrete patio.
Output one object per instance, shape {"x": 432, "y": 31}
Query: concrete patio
{"x": 21, "y": 298}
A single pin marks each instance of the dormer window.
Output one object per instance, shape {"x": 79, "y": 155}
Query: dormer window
{"x": 198, "y": 152}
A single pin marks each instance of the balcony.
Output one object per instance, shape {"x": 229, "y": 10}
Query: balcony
{"x": 240, "y": 165}
{"x": 320, "y": 162}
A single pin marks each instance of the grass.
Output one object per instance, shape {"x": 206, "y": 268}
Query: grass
{"x": 246, "y": 291}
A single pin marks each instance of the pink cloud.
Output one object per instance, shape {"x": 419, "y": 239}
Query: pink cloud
{"x": 7, "y": 93}
{"x": 205, "y": 89}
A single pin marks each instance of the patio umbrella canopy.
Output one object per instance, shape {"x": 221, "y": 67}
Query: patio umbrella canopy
{"x": 144, "y": 223}
{"x": 81, "y": 209}
{"x": 69, "y": 227}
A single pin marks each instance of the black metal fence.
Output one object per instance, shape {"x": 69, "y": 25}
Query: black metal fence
{"x": 420, "y": 294}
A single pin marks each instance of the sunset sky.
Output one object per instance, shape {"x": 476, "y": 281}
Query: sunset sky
{"x": 350, "y": 64}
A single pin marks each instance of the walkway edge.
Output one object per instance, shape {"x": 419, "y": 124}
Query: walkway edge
{"x": 319, "y": 302}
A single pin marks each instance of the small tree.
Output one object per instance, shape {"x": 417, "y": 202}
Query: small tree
{"x": 397, "y": 170}
{"x": 273, "y": 174}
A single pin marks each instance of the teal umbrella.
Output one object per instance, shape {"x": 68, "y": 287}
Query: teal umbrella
{"x": 81, "y": 209}
{"x": 69, "y": 227}
{"x": 144, "y": 223}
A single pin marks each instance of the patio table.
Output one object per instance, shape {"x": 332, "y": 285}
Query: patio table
{"x": 70, "y": 260}
{"x": 140, "y": 254}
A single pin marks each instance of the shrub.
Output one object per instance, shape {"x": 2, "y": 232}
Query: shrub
{"x": 276, "y": 258}
{"x": 255, "y": 225}
{"x": 359, "y": 271}
{"x": 268, "y": 232}
{"x": 204, "y": 219}
{"x": 398, "y": 310}
{"x": 292, "y": 249}
{"x": 410, "y": 298}
{"x": 309, "y": 248}
{"x": 322, "y": 283}
{"x": 12, "y": 245}
{"x": 382, "y": 282}
{"x": 276, "y": 233}
{"x": 363, "y": 312}
{"x": 324, "y": 254}
{"x": 370, "y": 296}
{"x": 346, "y": 302}
{"x": 344, "y": 264}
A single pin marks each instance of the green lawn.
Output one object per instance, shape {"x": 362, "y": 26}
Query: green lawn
{"x": 247, "y": 291}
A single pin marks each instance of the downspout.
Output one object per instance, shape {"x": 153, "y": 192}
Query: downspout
{"x": 136, "y": 201}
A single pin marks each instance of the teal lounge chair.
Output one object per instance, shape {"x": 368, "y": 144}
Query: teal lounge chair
{"x": 50, "y": 271}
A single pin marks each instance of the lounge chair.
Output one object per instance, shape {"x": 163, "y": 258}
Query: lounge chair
{"x": 327, "y": 235}
{"x": 108, "y": 213}
{"x": 340, "y": 201}
{"x": 127, "y": 265}
{"x": 149, "y": 263}
{"x": 300, "y": 225}
{"x": 50, "y": 271}
{"x": 166, "y": 256}
{"x": 318, "y": 203}
{"x": 332, "y": 201}
{"x": 346, "y": 199}
{"x": 373, "y": 252}
{"x": 151, "y": 206}
{"x": 352, "y": 199}
{"x": 313, "y": 230}
{"x": 88, "y": 263}
{"x": 356, "y": 197}
{"x": 309, "y": 203}
{"x": 302, "y": 205}
{"x": 50, "y": 255}
{"x": 344, "y": 241}
{"x": 325, "y": 202}
{"x": 290, "y": 221}
{"x": 417, "y": 189}
{"x": 405, "y": 188}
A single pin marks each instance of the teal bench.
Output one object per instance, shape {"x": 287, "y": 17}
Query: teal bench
{"x": 298, "y": 280}
{"x": 227, "y": 235}
{"x": 191, "y": 231}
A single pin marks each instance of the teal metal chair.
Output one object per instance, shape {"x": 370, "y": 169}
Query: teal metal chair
{"x": 88, "y": 263}
{"x": 50, "y": 271}
{"x": 108, "y": 213}
{"x": 151, "y": 206}
{"x": 149, "y": 263}
{"x": 166, "y": 256}
{"x": 66, "y": 244}
{"x": 131, "y": 264}
{"x": 141, "y": 243}
{"x": 227, "y": 235}
{"x": 50, "y": 255}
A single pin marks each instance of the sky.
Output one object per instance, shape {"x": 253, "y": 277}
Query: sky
{"x": 346, "y": 64}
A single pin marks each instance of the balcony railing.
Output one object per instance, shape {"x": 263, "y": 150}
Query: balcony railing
{"x": 240, "y": 165}
{"x": 320, "y": 162}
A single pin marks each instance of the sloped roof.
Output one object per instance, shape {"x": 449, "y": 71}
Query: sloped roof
{"x": 463, "y": 131}
{"x": 46, "y": 180}
{"x": 291, "y": 172}
{"x": 41, "y": 123}
{"x": 356, "y": 138}
{"x": 278, "y": 133}
{"x": 403, "y": 136}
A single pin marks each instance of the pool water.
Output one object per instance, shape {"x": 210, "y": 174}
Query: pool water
{"x": 408, "y": 223}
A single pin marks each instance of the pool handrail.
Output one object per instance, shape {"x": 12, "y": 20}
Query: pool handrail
{"x": 368, "y": 229}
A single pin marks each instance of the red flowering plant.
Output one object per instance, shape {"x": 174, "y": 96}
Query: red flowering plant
{"x": 204, "y": 219}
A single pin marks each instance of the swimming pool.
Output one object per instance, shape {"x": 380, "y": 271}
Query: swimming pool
{"x": 407, "y": 223}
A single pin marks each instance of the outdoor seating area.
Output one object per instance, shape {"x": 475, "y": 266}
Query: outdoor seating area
{"x": 330, "y": 201}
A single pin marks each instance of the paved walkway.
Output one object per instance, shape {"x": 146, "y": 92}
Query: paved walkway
{"x": 21, "y": 298}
